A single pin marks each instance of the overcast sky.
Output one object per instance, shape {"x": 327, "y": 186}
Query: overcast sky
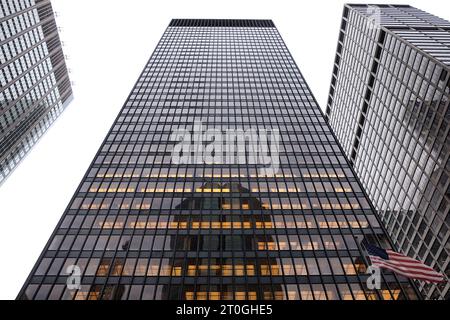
{"x": 108, "y": 43}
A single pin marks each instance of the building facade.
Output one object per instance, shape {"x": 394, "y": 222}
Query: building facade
{"x": 145, "y": 224}
{"x": 389, "y": 107}
{"x": 35, "y": 85}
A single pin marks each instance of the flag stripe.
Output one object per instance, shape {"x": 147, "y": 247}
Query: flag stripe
{"x": 396, "y": 256}
{"x": 404, "y": 269}
{"x": 409, "y": 274}
{"x": 419, "y": 266}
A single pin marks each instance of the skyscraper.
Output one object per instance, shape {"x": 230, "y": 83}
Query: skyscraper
{"x": 389, "y": 108}
{"x": 266, "y": 209}
{"x": 35, "y": 85}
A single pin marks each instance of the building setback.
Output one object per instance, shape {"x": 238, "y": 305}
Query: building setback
{"x": 35, "y": 86}
{"x": 389, "y": 108}
{"x": 143, "y": 226}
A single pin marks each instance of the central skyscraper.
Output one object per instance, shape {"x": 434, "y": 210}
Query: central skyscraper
{"x": 148, "y": 222}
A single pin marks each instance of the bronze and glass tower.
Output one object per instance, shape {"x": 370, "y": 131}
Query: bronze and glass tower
{"x": 144, "y": 224}
{"x": 34, "y": 80}
{"x": 389, "y": 108}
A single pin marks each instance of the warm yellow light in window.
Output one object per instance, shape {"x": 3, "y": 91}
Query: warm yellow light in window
{"x": 354, "y": 224}
{"x": 266, "y": 246}
{"x": 214, "y": 268}
{"x": 240, "y": 295}
{"x": 239, "y": 270}
{"x": 173, "y": 225}
{"x": 162, "y": 224}
{"x": 140, "y": 225}
{"x": 176, "y": 271}
{"x": 151, "y": 224}
{"x": 216, "y": 225}
{"x": 392, "y": 295}
{"x": 246, "y": 225}
{"x": 265, "y": 270}
{"x": 236, "y": 225}
{"x": 279, "y": 295}
{"x": 226, "y": 225}
{"x": 359, "y": 295}
{"x": 205, "y": 225}
{"x": 364, "y": 224}
{"x": 323, "y": 224}
{"x": 371, "y": 296}
{"x": 202, "y": 268}
{"x": 191, "y": 270}
{"x": 227, "y": 270}
{"x": 82, "y": 295}
{"x": 250, "y": 270}
{"x": 214, "y": 295}
{"x": 349, "y": 268}
{"x": 267, "y": 295}
{"x": 335, "y": 224}
{"x": 202, "y": 295}
{"x": 189, "y": 295}
{"x": 283, "y": 245}
{"x": 93, "y": 295}
{"x": 293, "y": 295}
{"x": 265, "y": 205}
{"x": 252, "y": 295}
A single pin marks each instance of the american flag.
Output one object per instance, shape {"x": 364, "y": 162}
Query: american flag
{"x": 402, "y": 264}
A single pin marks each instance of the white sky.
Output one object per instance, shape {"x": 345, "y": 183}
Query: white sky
{"x": 108, "y": 43}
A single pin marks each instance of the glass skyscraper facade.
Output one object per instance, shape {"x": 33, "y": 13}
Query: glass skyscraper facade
{"x": 34, "y": 81}
{"x": 389, "y": 108}
{"x": 143, "y": 227}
